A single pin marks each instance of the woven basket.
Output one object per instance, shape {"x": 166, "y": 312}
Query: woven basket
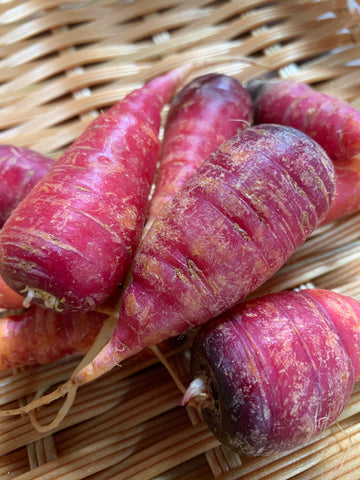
{"x": 62, "y": 62}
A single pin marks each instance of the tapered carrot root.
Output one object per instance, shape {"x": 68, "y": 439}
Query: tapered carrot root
{"x": 347, "y": 197}
{"x": 69, "y": 243}
{"x": 38, "y": 336}
{"x": 206, "y": 112}
{"x": 20, "y": 170}
{"x": 275, "y": 371}
{"x": 332, "y": 122}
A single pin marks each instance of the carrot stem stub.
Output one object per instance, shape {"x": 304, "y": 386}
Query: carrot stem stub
{"x": 275, "y": 371}
{"x": 69, "y": 243}
{"x": 232, "y": 226}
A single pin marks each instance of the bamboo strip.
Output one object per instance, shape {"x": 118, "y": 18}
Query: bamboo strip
{"x": 40, "y": 451}
{"x": 67, "y": 110}
{"x": 81, "y": 464}
{"x": 21, "y": 11}
{"x": 289, "y": 13}
{"x": 308, "y": 269}
{"x": 347, "y": 276}
{"x": 166, "y": 454}
{"x": 35, "y": 72}
{"x": 54, "y": 19}
{"x": 151, "y": 434}
{"x": 101, "y": 28}
{"x": 52, "y": 141}
{"x": 155, "y": 422}
{"x": 352, "y": 408}
{"x": 116, "y": 389}
{"x": 106, "y": 20}
{"x": 355, "y": 472}
{"x": 329, "y": 468}
{"x": 351, "y": 290}
{"x": 154, "y": 402}
{"x": 50, "y": 91}
{"x": 197, "y": 468}
{"x": 33, "y": 379}
{"x": 294, "y": 52}
{"x": 346, "y": 230}
{"x": 95, "y": 457}
{"x": 47, "y": 120}
{"x": 13, "y": 464}
{"x": 30, "y": 380}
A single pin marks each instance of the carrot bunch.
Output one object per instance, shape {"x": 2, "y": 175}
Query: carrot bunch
{"x": 232, "y": 202}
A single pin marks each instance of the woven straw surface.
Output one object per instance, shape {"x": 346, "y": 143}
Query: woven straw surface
{"x": 61, "y": 63}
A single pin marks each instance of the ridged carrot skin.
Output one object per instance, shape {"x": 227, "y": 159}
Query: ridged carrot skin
{"x": 39, "y": 336}
{"x": 347, "y": 196}
{"x": 332, "y": 122}
{"x": 207, "y": 111}
{"x": 20, "y": 170}
{"x": 69, "y": 243}
{"x": 274, "y": 372}
{"x": 234, "y": 223}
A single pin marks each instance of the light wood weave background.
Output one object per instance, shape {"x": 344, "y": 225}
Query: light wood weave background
{"x": 61, "y": 63}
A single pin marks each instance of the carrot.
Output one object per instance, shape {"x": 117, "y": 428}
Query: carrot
{"x": 347, "y": 196}
{"x": 234, "y": 223}
{"x": 206, "y": 112}
{"x": 275, "y": 371}
{"x": 20, "y": 170}
{"x": 332, "y": 122}
{"x": 9, "y": 299}
{"x": 39, "y": 336}
{"x": 69, "y": 243}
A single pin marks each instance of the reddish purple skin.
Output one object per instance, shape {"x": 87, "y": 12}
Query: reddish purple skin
{"x": 279, "y": 369}
{"x": 20, "y": 170}
{"x": 232, "y": 226}
{"x": 206, "y": 112}
{"x": 39, "y": 336}
{"x": 347, "y": 197}
{"x": 75, "y": 234}
{"x": 332, "y": 122}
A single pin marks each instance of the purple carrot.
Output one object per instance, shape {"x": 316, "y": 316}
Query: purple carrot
{"x": 274, "y": 372}
{"x": 206, "y": 112}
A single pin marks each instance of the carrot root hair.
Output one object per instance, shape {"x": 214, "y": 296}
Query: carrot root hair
{"x": 61, "y": 391}
{"x": 50, "y": 301}
{"x": 68, "y": 389}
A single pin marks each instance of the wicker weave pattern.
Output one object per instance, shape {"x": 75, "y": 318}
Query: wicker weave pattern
{"x": 63, "y": 62}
